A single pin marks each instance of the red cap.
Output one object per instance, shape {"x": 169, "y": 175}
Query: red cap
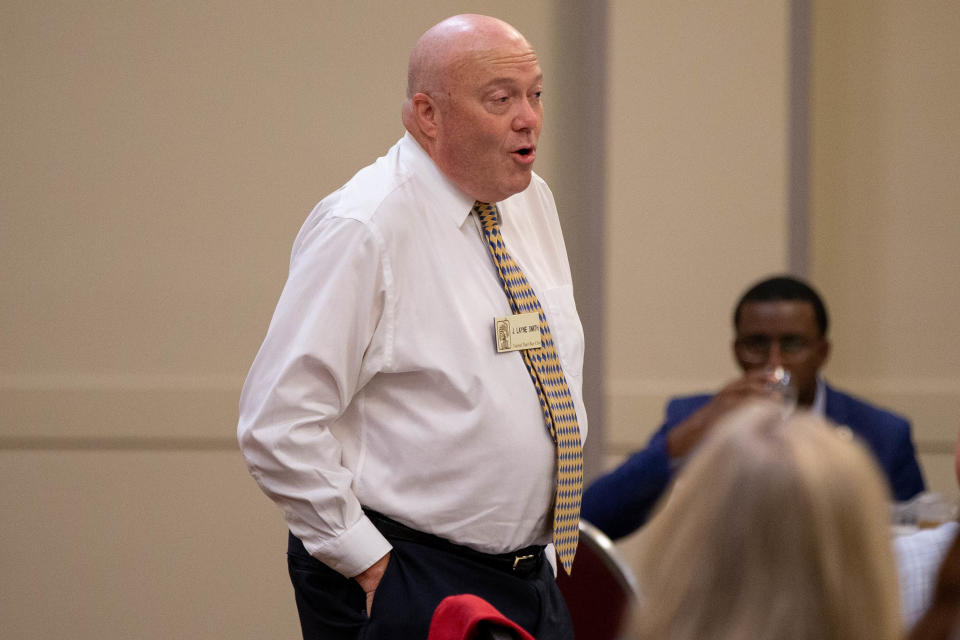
{"x": 457, "y": 617}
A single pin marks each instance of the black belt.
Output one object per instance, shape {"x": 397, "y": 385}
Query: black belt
{"x": 522, "y": 561}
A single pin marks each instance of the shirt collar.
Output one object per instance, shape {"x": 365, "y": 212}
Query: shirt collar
{"x": 449, "y": 199}
{"x": 819, "y": 406}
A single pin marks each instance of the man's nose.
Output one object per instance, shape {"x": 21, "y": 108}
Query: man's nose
{"x": 774, "y": 356}
{"x": 527, "y": 116}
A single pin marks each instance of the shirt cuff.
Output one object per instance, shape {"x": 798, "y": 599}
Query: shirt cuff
{"x": 354, "y": 550}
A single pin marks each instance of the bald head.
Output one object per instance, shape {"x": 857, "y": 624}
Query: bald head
{"x": 473, "y": 104}
{"x": 444, "y": 46}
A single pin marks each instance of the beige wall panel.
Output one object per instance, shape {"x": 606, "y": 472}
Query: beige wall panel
{"x": 111, "y": 408}
{"x": 158, "y": 160}
{"x": 697, "y": 191}
{"x": 885, "y": 215}
{"x": 938, "y": 470}
{"x": 636, "y": 416}
{"x": 140, "y": 545}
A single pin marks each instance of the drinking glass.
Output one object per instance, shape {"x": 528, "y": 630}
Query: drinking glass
{"x": 778, "y": 384}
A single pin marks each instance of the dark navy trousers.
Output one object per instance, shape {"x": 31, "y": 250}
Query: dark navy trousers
{"x": 417, "y": 578}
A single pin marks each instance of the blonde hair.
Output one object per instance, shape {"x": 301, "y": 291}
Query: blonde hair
{"x": 777, "y": 529}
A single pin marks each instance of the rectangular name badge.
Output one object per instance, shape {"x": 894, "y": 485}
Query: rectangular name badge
{"x": 516, "y": 332}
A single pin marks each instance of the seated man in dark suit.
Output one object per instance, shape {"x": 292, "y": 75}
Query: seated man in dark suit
{"x": 779, "y": 322}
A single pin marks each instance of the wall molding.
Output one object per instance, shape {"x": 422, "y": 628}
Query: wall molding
{"x": 119, "y": 381}
{"x": 118, "y": 411}
{"x": 865, "y": 386}
{"x": 635, "y": 407}
{"x": 120, "y": 443}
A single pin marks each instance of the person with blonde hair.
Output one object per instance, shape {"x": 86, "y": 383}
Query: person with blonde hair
{"x": 777, "y": 529}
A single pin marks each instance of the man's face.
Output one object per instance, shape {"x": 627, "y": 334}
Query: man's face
{"x": 782, "y": 333}
{"x": 489, "y": 121}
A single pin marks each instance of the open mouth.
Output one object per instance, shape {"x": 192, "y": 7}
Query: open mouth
{"x": 525, "y": 154}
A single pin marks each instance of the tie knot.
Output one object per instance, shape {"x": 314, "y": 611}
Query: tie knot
{"x": 487, "y": 214}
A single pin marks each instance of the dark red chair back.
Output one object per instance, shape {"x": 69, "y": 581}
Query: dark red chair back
{"x": 601, "y": 591}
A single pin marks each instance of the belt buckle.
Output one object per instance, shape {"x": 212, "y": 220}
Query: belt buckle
{"x": 518, "y": 558}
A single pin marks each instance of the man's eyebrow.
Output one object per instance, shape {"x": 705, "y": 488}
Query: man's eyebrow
{"x": 508, "y": 80}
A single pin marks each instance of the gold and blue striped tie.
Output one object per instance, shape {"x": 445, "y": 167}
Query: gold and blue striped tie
{"x": 559, "y": 413}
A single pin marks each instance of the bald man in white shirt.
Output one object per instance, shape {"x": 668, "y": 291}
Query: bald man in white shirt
{"x": 410, "y": 458}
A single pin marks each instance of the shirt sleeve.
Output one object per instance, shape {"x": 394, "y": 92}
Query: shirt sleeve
{"x": 906, "y": 479}
{"x": 317, "y": 353}
{"x": 621, "y": 501}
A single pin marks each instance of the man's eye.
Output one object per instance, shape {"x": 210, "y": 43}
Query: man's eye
{"x": 756, "y": 342}
{"x": 793, "y": 343}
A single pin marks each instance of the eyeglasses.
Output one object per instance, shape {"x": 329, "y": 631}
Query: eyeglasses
{"x": 756, "y": 349}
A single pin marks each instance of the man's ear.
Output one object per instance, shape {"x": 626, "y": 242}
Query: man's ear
{"x": 733, "y": 352}
{"x": 425, "y": 114}
{"x": 824, "y": 352}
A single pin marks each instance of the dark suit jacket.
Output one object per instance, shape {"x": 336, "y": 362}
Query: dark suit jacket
{"x": 620, "y": 501}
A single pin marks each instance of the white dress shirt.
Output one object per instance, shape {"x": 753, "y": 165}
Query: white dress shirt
{"x": 819, "y": 406}
{"x": 919, "y": 556}
{"x": 379, "y": 383}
